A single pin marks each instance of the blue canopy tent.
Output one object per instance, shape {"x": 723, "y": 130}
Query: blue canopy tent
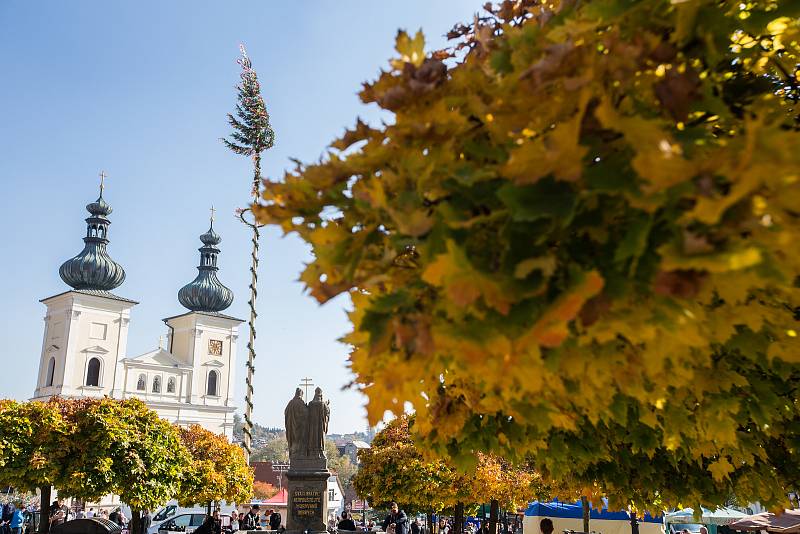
{"x": 569, "y": 516}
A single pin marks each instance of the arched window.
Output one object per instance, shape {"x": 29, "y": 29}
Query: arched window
{"x": 212, "y": 383}
{"x": 157, "y": 384}
{"x": 51, "y": 371}
{"x": 141, "y": 384}
{"x": 93, "y": 372}
{"x": 171, "y": 384}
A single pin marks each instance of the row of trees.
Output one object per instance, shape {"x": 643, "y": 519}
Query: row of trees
{"x": 574, "y": 242}
{"x": 88, "y": 448}
{"x": 395, "y": 469}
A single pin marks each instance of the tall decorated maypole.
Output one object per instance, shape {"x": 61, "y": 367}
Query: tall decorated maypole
{"x": 252, "y": 135}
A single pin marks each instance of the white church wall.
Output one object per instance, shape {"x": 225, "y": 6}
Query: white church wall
{"x": 209, "y": 342}
{"x": 80, "y": 328}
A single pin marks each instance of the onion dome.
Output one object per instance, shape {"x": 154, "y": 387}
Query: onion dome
{"x": 93, "y": 268}
{"x": 206, "y": 293}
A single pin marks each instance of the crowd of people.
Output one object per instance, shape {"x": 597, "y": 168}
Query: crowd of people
{"x": 15, "y": 515}
{"x": 397, "y": 522}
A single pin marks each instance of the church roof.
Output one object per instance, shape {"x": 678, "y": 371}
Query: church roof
{"x": 159, "y": 356}
{"x": 206, "y": 293}
{"x": 93, "y": 268}
{"x": 209, "y": 314}
{"x": 94, "y": 293}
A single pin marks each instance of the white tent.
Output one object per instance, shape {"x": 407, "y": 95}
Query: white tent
{"x": 720, "y": 516}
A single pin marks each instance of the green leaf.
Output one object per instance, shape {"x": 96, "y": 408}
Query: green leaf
{"x": 547, "y": 198}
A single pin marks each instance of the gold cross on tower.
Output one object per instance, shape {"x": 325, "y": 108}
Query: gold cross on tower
{"x": 102, "y": 182}
{"x": 306, "y": 383}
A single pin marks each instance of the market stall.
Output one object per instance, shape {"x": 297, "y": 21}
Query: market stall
{"x": 786, "y": 523}
{"x": 569, "y": 516}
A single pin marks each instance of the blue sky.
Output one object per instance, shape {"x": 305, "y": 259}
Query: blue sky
{"x": 141, "y": 89}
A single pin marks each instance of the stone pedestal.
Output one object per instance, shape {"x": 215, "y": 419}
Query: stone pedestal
{"x": 308, "y": 497}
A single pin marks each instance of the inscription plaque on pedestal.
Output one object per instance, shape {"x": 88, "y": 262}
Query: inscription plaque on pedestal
{"x": 306, "y": 426}
{"x": 308, "y": 506}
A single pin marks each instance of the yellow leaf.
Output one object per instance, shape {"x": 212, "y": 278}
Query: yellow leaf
{"x": 659, "y": 159}
{"x": 720, "y": 469}
{"x": 411, "y": 50}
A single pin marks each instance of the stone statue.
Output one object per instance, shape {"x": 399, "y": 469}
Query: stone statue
{"x": 296, "y": 415}
{"x": 319, "y": 413}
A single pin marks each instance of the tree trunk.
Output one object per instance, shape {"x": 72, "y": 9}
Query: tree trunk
{"x": 459, "y": 519}
{"x": 44, "y": 509}
{"x": 429, "y": 520}
{"x": 634, "y": 524}
{"x": 586, "y": 513}
{"x": 494, "y": 516}
{"x": 134, "y": 527}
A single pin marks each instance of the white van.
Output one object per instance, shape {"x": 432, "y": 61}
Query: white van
{"x": 172, "y": 510}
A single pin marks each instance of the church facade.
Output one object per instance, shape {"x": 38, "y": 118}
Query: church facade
{"x": 187, "y": 380}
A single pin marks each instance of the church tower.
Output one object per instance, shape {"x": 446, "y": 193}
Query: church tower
{"x": 205, "y": 339}
{"x": 86, "y": 328}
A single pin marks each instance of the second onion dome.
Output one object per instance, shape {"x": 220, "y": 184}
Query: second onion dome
{"x": 206, "y": 293}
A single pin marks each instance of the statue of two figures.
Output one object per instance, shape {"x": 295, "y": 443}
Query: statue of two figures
{"x": 306, "y": 426}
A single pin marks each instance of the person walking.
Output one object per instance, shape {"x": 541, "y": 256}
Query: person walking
{"x": 17, "y": 520}
{"x": 57, "y": 515}
{"x": 252, "y": 521}
{"x": 114, "y": 517}
{"x": 346, "y": 523}
{"x": 5, "y": 518}
{"x": 207, "y": 527}
{"x": 216, "y": 523}
{"x": 144, "y": 522}
{"x": 398, "y": 518}
{"x": 274, "y": 520}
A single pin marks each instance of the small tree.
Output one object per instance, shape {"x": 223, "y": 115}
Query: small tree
{"x": 264, "y": 490}
{"x": 121, "y": 447}
{"x": 32, "y": 438}
{"x": 217, "y": 470}
{"x": 393, "y": 469}
{"x": 497, "y": 481}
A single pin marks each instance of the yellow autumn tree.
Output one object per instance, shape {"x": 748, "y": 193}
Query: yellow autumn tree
{"x": 575, "y": 242}
{"x": 264, "y": 490}
{"x": 32, "y": 439}
{"x": 218, "y": 470}
{"x": 394, "y": 469}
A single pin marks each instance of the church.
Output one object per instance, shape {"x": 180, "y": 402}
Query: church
{"x": 187, "y": 380}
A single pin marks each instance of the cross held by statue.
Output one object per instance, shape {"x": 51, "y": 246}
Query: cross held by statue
{"x": 306, "y": 383}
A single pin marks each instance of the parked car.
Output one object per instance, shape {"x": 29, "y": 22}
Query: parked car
{"x": 183, "y": 524}
{"x": 173, "y": 510}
